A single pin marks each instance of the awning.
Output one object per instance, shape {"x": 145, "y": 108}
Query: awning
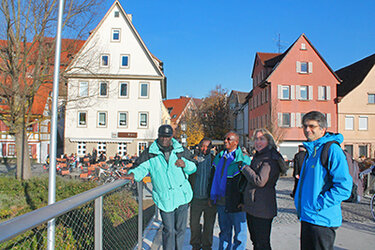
{"x": 107, "y": 140}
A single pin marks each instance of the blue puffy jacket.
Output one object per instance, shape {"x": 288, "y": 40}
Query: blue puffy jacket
{"x": 318, "y": 199}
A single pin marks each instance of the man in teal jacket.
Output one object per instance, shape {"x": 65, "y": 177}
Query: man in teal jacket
{"x": 169, "y": 165}
{"x": 320, "y": 192}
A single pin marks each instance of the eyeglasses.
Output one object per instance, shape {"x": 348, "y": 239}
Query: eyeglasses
{"x": 228, "y": 139}
{"x": 310, "y": 126}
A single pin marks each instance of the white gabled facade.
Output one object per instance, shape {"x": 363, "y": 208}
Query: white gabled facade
{"x": 115, "y": 90}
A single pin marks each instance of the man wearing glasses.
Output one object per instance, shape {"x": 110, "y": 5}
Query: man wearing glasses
{"x": 226, "y": 195}
{"x": 321, "y": 190}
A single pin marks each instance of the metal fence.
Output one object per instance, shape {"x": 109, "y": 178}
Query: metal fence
{"x": 107, "y": 217}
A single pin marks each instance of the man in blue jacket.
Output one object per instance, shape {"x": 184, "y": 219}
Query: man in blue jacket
{"x": 225, "y": 193}
{"x": 169, "y": 165}
{"x": 321, "y": 189}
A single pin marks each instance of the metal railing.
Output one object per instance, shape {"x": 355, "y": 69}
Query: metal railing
{"x": 106, "y": 217}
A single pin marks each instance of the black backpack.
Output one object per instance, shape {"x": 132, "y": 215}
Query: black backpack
{"x": 357, "y": 188}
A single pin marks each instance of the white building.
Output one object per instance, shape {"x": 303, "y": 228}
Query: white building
{"x": 115, "y": 90}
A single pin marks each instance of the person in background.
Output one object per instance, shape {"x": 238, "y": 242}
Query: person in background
{"x": 320, "y": 191}
{"x": 169, "y": 165}
{"x": 201, "y": 238}
{"x": 297, "y": 166}
{"x": 226, "y": 195}
{"x": 260, "y": 194}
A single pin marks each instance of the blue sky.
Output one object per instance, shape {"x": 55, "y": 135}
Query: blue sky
{"x": 204, "y": 43}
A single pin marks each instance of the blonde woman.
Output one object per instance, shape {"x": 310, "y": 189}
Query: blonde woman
{"x": 260, "y": 194}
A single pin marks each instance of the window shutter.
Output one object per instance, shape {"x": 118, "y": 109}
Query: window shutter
{"x": 310, "y": 93}
{"x": 279, "y": 119}
{"x": 279, "y": 91}
{"x": 292, "y": 120}
{"x": 328, "y": 93}
{"x": 310, "y": 67}
{"x": 292, "y": 92}
{"x": 298, "y": 67}
{"x": 267, "y": 93}
{"x": 298, "y": 92}
{"x": 298, "y": 120}
{"x": 320, "y": 92}
{"x": 328, "y": 116}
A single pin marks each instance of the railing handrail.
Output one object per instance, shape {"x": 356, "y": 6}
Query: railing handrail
{"x": 20, "y": 224}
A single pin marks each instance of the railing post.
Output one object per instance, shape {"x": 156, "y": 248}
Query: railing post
{"x": 140, "y": 214}
{"x": 99, "y": 223}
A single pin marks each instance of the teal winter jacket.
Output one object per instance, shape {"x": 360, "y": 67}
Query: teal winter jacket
{"x": 320, "y": 192}
{"x": 170, "y": 185}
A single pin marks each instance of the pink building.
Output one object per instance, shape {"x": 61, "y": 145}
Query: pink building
{"x": 288, "y": 85}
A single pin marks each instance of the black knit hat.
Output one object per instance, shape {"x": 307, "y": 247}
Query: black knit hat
{"x": 165, "y": 131}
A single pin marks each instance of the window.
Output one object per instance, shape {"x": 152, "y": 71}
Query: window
{"x": 143, "y": 120}
{"x": 371, "y": 98}
{"x": 102, "y": 119}
{"x": 103, "y": 89}
{"x": 116, "y": 35}
{"x": 285, "y": 92}
{"x": 82, "y": 119}
{"x": 123, "y": 89}
{"x": 349, "y": 122}
{"x": 362, "y": 123}
{"x": 303, "y": 46}
{"x": 117, "y": 13}
{"x": 362, "y": 150}
{"x": 303, "y": 92}
{"x": 141, "y": 147}
{"x": 284, "y": 119}
{"x": 349, "y": 149}
{"x": 102, "y": 147}
{"x": 324, "y": 93}
{"x": 144, "y": 90}
{"x": 11, "y": 149}
{"x": 122, "y": 148}
{"x": 81, "y": 148}
{"x": 83, "y": 89}
{"x": 104, "y": 60}
{"x": 122, "y": 121}
{"x": 170, "y": 110}
{"x": 124, "y": 61}
{"x": 304, "y": 67}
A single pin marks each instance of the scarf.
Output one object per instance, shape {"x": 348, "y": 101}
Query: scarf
{"x": 219, "y": 182}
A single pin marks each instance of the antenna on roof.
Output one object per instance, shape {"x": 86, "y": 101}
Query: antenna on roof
{"x": 280, "y": 44}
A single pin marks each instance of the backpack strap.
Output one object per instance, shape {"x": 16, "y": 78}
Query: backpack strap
{"x": 324, "y": 154}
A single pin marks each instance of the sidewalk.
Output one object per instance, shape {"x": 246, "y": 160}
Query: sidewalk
{"x": 357, "y": 231}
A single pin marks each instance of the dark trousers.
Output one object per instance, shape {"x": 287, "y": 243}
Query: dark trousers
{"x": 260, "y": 231}
{"x": 174, "y": 227}
{"x": 202, "y": 239}
{"x": 314, "y": 237}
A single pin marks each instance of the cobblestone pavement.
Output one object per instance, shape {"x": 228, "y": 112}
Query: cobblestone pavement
{"x": 351, "y": 212}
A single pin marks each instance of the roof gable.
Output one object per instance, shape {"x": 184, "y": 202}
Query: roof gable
{"x": 176, "y": 107}
{"x": 354, "y": 74}
{"x": 100, "y": 42}
{"x": 277, "y": 60}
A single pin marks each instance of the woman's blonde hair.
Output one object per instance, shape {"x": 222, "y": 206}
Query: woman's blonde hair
{"x": 267, "y": 134}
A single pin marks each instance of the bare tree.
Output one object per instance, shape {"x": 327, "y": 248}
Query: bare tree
{"x": 27, "y": 48}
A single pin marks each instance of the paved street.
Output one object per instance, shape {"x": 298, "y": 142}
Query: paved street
{"x": 357, "y": 231}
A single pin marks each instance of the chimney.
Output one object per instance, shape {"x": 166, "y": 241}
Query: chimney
{"x": 130, "y": 16}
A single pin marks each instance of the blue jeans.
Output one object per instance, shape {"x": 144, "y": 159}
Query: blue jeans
{"x": 228, "y": 222}
{"x": 174, "y": 227}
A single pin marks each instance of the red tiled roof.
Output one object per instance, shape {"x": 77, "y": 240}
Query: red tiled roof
{"x": 267, "y": 56}
{"x": 177, "y": 106}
